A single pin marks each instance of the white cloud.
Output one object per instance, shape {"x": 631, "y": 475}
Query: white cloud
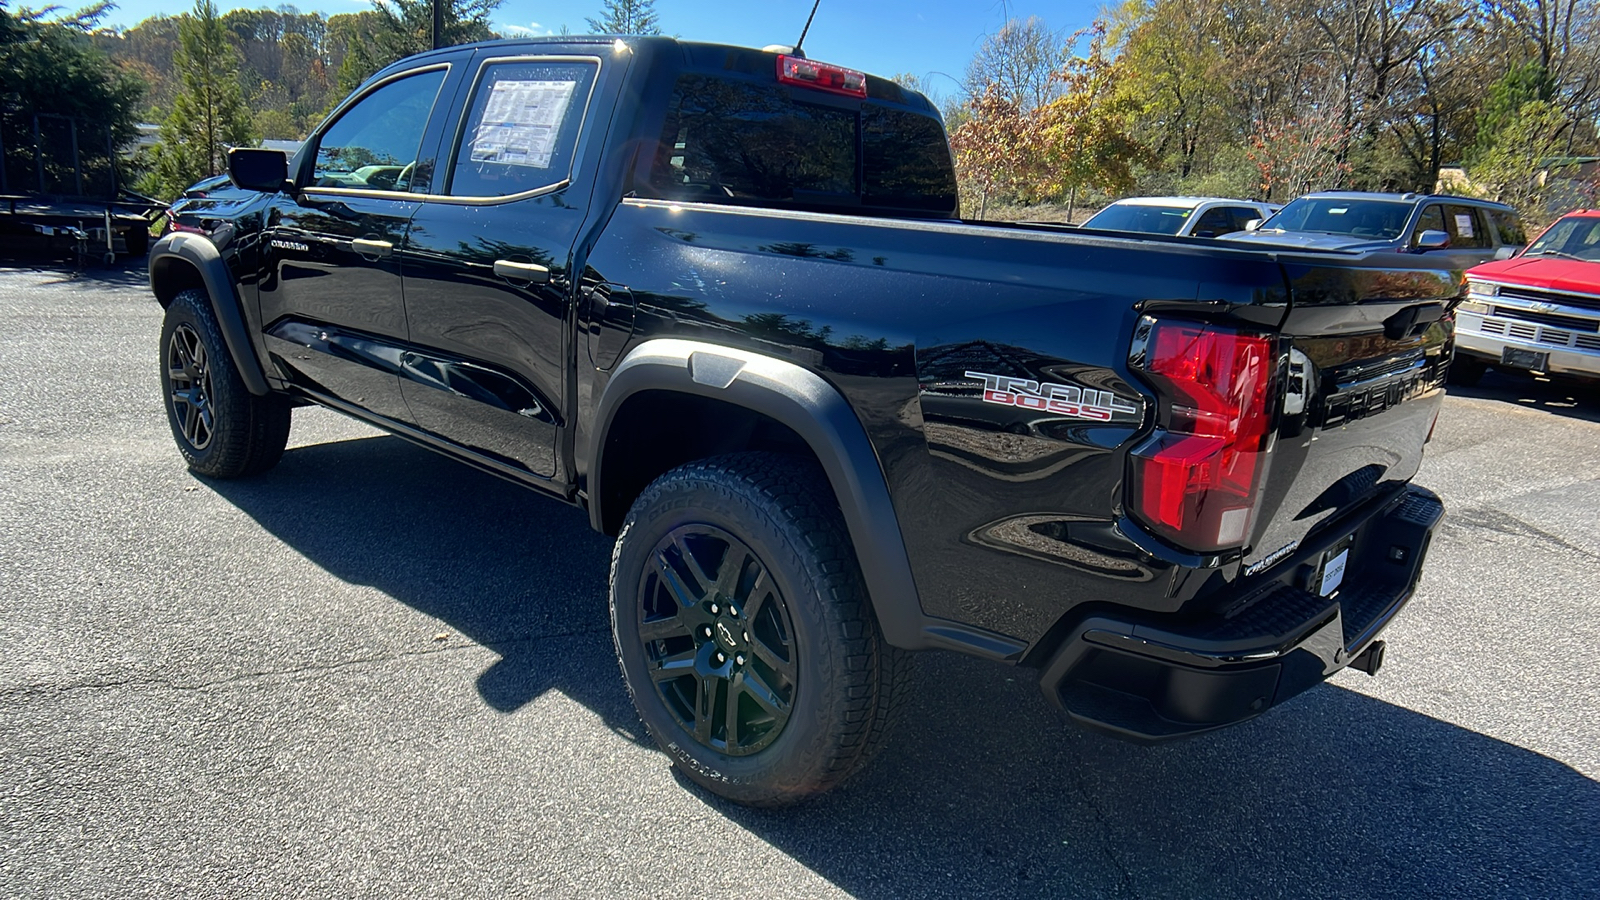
{"x": 532, "y": 29}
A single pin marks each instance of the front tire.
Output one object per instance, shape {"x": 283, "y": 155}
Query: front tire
{"x": 222, "y": 430}
{"x": 744, "y": 630}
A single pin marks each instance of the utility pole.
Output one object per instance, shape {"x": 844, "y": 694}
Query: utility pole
{"x": 438, "y": 23}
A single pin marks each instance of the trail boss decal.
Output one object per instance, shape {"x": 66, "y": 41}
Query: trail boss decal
{"x": 1061, "y": 399}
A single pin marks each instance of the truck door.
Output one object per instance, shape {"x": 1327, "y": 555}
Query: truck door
{"x": 330, "y": 294}
{"x": 489, "y": 285}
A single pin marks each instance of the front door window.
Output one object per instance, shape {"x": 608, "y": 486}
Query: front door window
{"x": 373, "y": 145}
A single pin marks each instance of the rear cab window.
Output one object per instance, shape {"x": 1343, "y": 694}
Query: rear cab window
{"x": 734, "y": 134}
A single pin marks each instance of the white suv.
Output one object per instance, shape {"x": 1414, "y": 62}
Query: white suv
{"x": 1189, "y": 216}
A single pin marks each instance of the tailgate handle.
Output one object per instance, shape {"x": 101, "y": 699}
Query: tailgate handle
{"x": 1406, "y": 322}
{"x": 527, "y": 272}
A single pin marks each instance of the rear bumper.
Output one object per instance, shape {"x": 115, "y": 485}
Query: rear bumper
{"x": 1152, "y": 679}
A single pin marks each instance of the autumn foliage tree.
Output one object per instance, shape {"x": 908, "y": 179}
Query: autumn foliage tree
{"x": 1076, "y": 138}
{"x": 1083, "y": 133}
{"x": 995, "y": 147}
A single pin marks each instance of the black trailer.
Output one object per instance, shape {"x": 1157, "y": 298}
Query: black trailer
{"x": 61, "y": 192}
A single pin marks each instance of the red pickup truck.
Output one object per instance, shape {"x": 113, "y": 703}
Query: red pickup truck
{"x": 1539, "y": 311}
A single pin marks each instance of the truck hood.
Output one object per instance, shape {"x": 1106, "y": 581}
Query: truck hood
{"x": 1551, "y": 273}
{"x": 1308, "y": 240}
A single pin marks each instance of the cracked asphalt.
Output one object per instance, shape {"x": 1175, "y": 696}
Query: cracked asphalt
{"x": 374, "y": 672}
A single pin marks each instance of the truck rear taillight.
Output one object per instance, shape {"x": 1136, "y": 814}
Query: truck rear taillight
{"x": 1197, "y": 480}
{"x": 800, "y": 71}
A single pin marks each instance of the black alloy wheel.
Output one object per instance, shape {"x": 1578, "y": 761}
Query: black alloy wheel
{"x": 744, "y": 630}
{"x": 221, "y": 429}
{"x": 189, "y": 384}
{"x": 718, "y": 640}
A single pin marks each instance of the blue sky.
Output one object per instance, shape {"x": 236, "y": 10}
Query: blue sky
{"x": 884, "y": 37}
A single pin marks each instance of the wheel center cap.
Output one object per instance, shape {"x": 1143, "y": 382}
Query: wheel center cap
{"x": 727, "y": 635}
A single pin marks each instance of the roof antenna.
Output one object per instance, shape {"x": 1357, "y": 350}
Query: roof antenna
{"x": 797, "y": 51}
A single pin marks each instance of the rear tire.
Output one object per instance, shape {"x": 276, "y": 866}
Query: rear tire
{"x": 1467, "y": 370}
{"x": 744, "y": 630}
{"x": 222, "y": 430}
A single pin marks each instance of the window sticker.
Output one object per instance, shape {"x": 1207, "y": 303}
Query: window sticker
{"x": 521, "y": 121}
{"x": 1464, "y": 224}
{"x": 1338, "y": 210}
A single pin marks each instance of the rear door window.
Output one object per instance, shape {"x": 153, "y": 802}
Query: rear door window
{"x": 1467, "y": 228}
{"x": 1509, "y": 226}
{"x": 521, "y": 129}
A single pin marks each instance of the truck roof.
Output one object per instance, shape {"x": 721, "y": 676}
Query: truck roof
{"x": 878, "y": 87}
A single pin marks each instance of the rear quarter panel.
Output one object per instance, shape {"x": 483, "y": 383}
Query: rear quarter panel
{"x": 1007, "y": 512}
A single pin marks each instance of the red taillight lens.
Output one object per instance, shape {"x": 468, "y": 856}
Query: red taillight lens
{"x": 822, "y": 76}
{"x": 1196, "y": 481}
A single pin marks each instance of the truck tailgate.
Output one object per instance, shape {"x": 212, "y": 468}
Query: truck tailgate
{"x": 1367, "y": 355}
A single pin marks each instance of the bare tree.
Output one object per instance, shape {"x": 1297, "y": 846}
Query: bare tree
{"x": 1020, "y": 60}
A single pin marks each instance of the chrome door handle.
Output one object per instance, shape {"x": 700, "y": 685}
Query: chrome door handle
{"x": 368, "y": 247}
{"x": 512, "y": 270}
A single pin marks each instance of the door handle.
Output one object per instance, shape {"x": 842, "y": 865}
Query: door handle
{"x": 369, "y": 247}
{"x": 511, "y": 270}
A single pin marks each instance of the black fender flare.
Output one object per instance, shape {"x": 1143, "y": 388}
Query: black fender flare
{"x": 199, "y": 253}
{"x": 801, "y": 400}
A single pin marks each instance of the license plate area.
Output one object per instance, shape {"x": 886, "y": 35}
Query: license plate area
{"x": 1333, "y": 567}
{"x": 1518, "y": 358}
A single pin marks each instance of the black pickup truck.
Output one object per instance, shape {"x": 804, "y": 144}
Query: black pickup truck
{"x": 722, "y": 300}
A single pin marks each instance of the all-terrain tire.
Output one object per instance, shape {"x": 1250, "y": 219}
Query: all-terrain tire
{"x": 796, "y": 582}
{"x": 222, "y": 430}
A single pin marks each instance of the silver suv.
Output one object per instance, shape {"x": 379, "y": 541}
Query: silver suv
{"x": 1462, "y": 229}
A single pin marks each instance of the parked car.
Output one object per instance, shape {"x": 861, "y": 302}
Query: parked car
{"x": 1537, "y": 312}
{"x": 1460, "y": 230}
{"x": 1191, "y": 216}
{"x": 827, "y": 420}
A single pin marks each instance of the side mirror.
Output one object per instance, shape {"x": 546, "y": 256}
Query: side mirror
{"x": 258, "y": 170}
{"x": 1506, "y": 252}
{"x": 1253, "y": 224}
{"x": 1433, "y": 240}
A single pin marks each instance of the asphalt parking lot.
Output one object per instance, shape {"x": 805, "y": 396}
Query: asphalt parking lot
{"x": 375, "y": 672}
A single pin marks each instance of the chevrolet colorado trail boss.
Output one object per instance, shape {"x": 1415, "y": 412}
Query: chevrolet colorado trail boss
{"x": 721, "y": 299}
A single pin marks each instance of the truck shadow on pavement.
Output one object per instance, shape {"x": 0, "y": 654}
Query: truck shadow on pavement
{"x": 1561, "y": 396}
{"x": 984, "y": 791}
{"x": 498, "y": 564}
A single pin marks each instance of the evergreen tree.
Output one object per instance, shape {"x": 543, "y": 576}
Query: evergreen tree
{"x": 1502, "y": 110}
{"x": 49, "y": 66}
{"x": 627, "y": 17}
{"x": 400, "y": 28}
{"x": 208, "y": 115}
